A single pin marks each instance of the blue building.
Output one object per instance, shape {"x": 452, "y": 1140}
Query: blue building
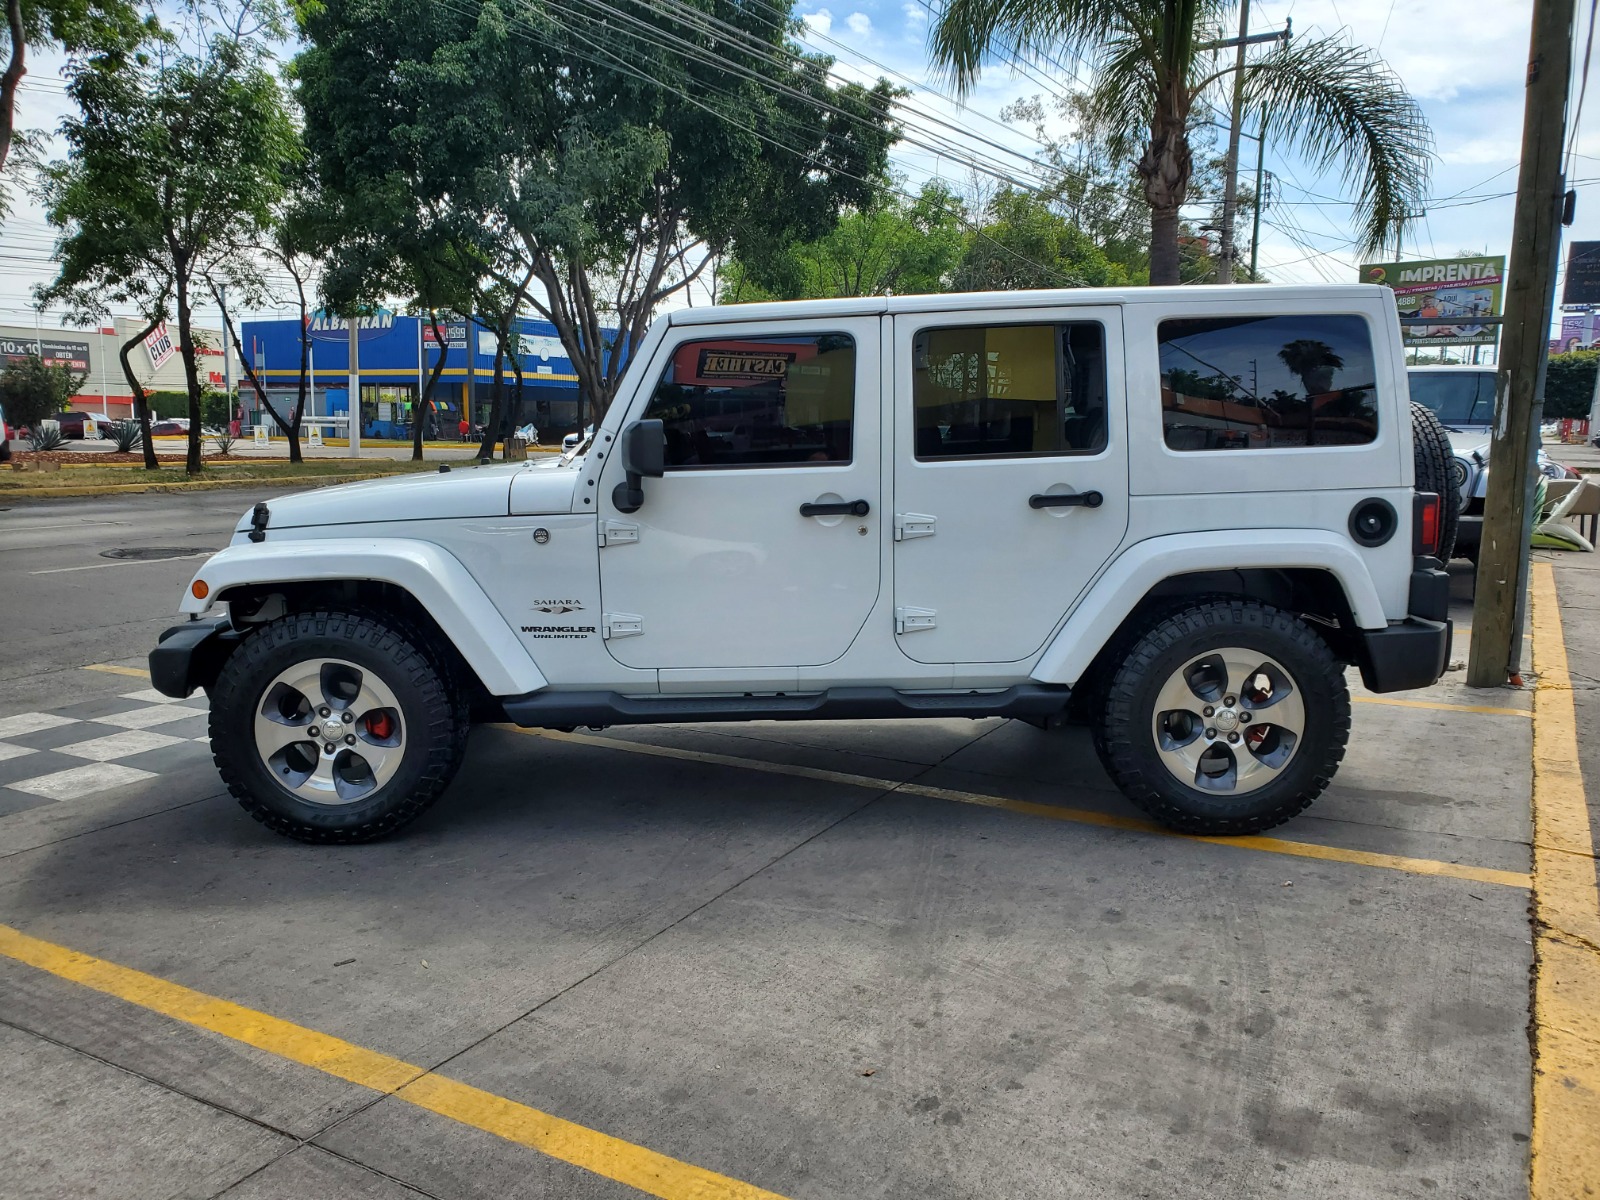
{"x": 396, "y": 353}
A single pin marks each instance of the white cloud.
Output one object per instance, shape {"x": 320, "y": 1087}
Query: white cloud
{"x": 860, "y": 24}
{"x": 820, "y": 22}
{"x": 915, "y": 13}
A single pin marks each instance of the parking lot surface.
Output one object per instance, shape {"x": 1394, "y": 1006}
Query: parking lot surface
{"x": 904, "y": 959}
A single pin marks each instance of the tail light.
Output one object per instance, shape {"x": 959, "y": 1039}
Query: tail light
{"x": 1427, "y": 524}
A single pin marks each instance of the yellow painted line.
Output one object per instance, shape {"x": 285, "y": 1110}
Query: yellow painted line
{"x": 1078, "y": 816}
{"x": 109, "y": 669}
{"x": 1565, "y": 1151}
{"x": 1440, "y": 706}
{"x": 636, "y": 1166}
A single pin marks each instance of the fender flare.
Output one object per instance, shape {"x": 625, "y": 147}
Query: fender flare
{"x": 1139, "y": 568}
{"x": 432, "y": 575}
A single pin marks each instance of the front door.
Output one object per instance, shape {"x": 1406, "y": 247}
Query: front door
{"x": 1011, "y": 475}
{"x": 742, "y": 555}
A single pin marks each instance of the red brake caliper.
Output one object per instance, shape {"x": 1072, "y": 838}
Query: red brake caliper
{"x": 380, "y": 725}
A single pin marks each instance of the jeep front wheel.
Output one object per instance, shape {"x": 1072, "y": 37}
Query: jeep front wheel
{"x": 1227, "y": 717}
{"x": 334, "y": 727}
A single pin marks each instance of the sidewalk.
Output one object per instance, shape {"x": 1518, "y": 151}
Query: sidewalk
{"x": 1565, "y": 1149}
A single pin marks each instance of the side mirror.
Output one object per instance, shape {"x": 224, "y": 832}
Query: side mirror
{"x": 644, "y": 453}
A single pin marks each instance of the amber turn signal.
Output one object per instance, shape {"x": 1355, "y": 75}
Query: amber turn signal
{"x": 199, "y": 589}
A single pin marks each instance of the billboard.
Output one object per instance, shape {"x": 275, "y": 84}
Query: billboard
{"x": 1451, "y": 291}
{"x": 1582, "y": 285}
{"x": 54, "y": 352}
{"x": 1579, "y": 331}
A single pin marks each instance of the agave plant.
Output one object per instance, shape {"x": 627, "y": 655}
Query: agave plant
{"x": 225, "y": 442}
{"x": 127, "y": 436}
{"x": 47, "y": 436}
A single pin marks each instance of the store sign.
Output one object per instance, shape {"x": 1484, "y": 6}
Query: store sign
{"x": 158, "y": 344}
{"x": 1582, "y": 286}
{"x": 455, "y": 334}
{"x": 1450, "y": 295}
{"x": 55, "y": 353}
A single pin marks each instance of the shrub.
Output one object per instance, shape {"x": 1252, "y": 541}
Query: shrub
{"x": 225, "y": 443}
{"x": 1569, "y": 384}
{"x": 46, "y": 435}
{"x": 127, "y": 435}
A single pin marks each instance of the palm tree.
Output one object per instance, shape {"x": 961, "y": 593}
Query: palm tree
{"x": 1151, "y": 72}
{"x": 1314, "y": 361}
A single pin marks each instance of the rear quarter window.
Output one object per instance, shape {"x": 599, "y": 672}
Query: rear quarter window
{"x": 1267, "y": 383}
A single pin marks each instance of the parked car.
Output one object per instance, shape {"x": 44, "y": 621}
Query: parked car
{"x": 169, "y": 427}
{"x": 76, "y": 424}
{"x": 1463, "y": 399}
{"x": 905, "y": 542}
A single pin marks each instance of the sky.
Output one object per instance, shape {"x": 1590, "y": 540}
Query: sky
{"x": 1468, "y": 78}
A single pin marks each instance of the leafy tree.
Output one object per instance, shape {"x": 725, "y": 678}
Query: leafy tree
{"x": 1023, "y": 243}
{"x": 1569, "y": 384}
{"x": 174, "y": 170}
{"x": 616, "y": 155}
{"x": 909, "y": 245}
{"x": 1152, "y": 78}
{"x": 32, "y": 391}
{"x": 107, "y": 28}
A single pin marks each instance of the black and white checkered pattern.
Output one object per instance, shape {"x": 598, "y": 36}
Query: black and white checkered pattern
{"x": 46, "y": 757}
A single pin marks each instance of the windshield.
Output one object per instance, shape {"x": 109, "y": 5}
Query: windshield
{"x": 1456, "y": 397}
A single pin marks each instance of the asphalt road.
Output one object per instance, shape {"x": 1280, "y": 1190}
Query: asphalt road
{"x": 906, "y": 959}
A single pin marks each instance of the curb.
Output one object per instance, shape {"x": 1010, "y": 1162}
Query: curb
{"x": 198, "y": 485}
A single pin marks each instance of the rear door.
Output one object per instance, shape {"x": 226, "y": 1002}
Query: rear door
{"x": 1011, "y": 475}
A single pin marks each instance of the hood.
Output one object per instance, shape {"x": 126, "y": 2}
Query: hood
{"x": 462, "y": 491}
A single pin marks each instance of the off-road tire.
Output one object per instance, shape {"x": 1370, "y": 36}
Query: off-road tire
{"x": 1432, "y": 452}
{"x": 1124, "y": 733}
{"x": 433, "y": 712}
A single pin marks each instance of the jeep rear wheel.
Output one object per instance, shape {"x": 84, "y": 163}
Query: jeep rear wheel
{"x": 335, "y": 727}
{"x": 1227, "y": 717}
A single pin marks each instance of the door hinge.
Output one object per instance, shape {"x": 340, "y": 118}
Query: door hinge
{"x": 622, "y": 625}
{"x": 913, "y": 525}
{"x": 618, "y": 533}
{"x": 914, "y": 620}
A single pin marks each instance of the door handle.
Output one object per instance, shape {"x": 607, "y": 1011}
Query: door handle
{"x": 1067, "y": 500}
{"x": 844, "y": 508}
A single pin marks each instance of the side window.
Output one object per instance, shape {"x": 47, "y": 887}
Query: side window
{"x": 1265, "y": 383}
{"x": 1007, "y": 390}
{"x": 758, "y": 401}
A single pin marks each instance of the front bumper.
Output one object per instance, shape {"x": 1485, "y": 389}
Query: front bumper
{"x": 189, "y": 656}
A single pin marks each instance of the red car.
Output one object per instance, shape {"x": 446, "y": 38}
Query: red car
{"x": 73, "y": 424}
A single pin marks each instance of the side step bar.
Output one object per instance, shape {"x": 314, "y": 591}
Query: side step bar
{"x": 567, "y": 710}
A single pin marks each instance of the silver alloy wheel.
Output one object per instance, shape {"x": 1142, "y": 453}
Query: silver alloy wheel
{"x": 1228, "y": 721}
{"x": 329, "y": 732}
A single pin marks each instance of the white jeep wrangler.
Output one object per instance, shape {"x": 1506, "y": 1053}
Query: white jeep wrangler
{"x": 1176, "y": 513}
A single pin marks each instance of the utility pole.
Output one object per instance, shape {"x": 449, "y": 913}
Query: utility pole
{"x": 355, "y": 389}
{"x": 1230, "y": 186}
{"x": 1519, "y": 400}
{"x": 227, "y": 353}
{"x": 1255, "y": 233}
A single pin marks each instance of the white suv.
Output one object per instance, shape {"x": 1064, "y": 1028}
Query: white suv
{"x": 1177, "y": 513}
